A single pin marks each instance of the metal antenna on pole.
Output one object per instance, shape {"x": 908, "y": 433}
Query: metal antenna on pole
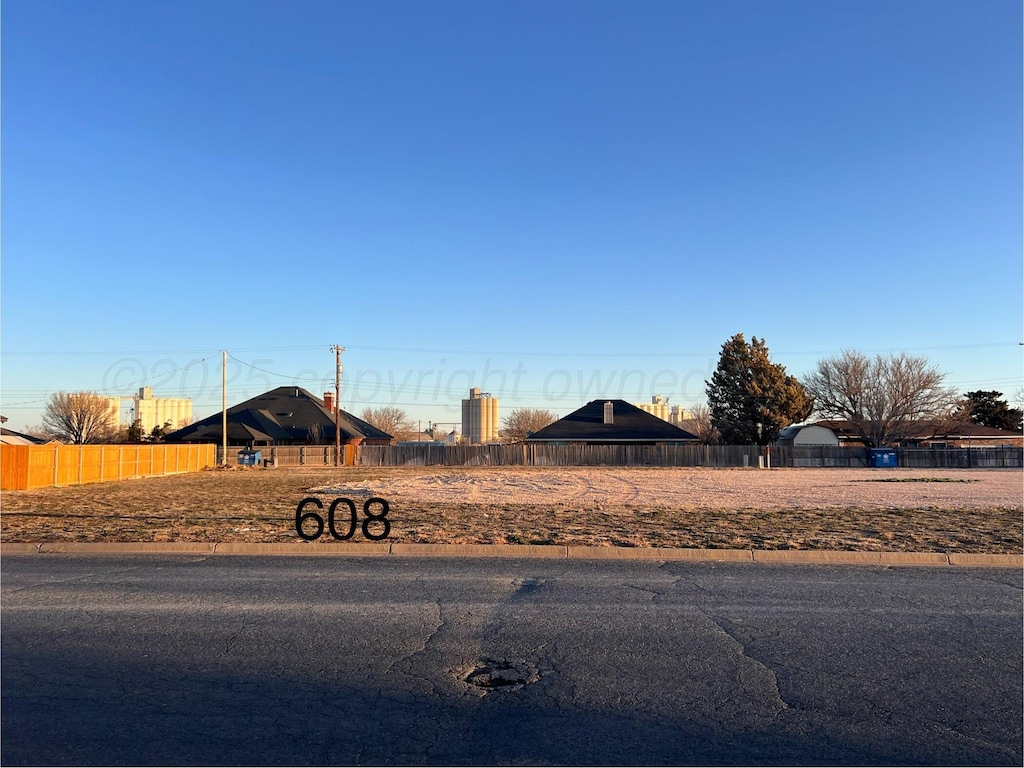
{"x": 224, "y": 405}
{"x": 337, "y": 403}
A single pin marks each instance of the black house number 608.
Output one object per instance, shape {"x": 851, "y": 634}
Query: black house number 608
{"x": 371, "y": 519}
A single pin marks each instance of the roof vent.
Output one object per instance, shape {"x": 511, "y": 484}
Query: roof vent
{"x": 609, "y": 412}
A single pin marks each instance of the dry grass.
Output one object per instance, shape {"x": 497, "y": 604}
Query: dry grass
{"x": 912, "y": 510}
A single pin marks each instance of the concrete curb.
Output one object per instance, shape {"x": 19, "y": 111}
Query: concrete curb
{"x": 118, "y": 548}
{"x": 363, "y": 549}
{"x": 480, "y": 550}
{"x": 305, "y": 548}
{"x": 658, "y": 553}
{"x": 850, "y": 558}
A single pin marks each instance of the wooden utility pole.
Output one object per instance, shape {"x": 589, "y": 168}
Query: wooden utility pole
{"x": 337, "y": 403}
{"x": 224, "y": 404}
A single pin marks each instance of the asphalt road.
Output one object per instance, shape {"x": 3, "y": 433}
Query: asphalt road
{"x": 242, "y": 660}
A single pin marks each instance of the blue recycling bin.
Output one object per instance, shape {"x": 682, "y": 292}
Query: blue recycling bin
{"x": 250, "y": 458}
{"x": 883, "y": 457}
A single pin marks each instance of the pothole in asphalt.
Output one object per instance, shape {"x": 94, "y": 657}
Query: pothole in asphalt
{"x": 493, "y": 675}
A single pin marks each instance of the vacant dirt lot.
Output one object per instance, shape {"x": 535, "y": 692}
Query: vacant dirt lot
{"x": 870, "y": 509}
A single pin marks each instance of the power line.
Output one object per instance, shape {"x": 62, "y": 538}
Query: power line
{"x": 573, "y": 353}
{"x": 272, "y": 373}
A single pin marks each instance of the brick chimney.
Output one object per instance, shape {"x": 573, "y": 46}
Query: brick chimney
{"x": 329, "y": 401}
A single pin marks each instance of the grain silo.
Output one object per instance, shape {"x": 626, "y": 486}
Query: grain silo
{"x": 479, "y": 417}
{"x": 657, "y": 407}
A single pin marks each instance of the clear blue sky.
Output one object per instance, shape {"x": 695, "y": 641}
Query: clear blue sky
{"x": 555, "y": 201}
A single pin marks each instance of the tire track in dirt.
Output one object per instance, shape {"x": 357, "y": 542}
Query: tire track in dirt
{"x": 737, "y": 489}
{"x": 626, "y": 492}
{"x": 588, "y": 490}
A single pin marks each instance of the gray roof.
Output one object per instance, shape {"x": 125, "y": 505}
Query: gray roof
{"x": 280, "y": 416}
{"x": 10, "y": 437}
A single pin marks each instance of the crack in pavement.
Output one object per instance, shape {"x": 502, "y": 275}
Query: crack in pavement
{"x": 783, "y": 704}
{"x": 432, "y": 633}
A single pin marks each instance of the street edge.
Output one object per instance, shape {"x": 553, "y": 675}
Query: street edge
{"x": 361, "y": 549}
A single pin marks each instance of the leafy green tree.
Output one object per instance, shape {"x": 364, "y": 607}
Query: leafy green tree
{"x": 751, "y": 398}
{"x": 988, "y": 409}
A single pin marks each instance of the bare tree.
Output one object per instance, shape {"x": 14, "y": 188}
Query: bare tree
{"x": 885, "y": 399}
{"x": 521, "y": 422}
{"x": 38, "y": 430}
{"x": 81, "y": 417}
{"x": 392, "y": 420}
{"x": 699, "y": 424}
{"x": 952, "y": 422}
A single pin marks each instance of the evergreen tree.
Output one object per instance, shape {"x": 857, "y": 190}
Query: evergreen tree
{"x": 134, "y": 434}
{"x": 751, "y": 398}
{"x": 989, "y": 410}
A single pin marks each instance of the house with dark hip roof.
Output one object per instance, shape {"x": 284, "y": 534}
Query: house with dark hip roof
{"x": 611, "y": 422}
{"x": 282, "y": 416}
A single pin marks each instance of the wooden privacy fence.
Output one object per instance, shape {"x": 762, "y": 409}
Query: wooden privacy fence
{"x": 961, "y": 458}
{"x": 293, "y": 455}
{"x": 1007, "y": 457}
{"x": 539, "y": 455}
{"x": 23, "y": 467}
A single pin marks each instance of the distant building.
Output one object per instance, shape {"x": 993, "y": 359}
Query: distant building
{"x": 479, "y": 417}
{"x": 657, "y": 407}
{"x": 112, "y": 417}
{"x": 923, "y": 434}
{"x": 680, "y": 417}
{"x": 157, "y": 411}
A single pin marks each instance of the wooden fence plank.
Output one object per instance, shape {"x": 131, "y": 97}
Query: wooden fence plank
{"x": 23, "y": 467}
